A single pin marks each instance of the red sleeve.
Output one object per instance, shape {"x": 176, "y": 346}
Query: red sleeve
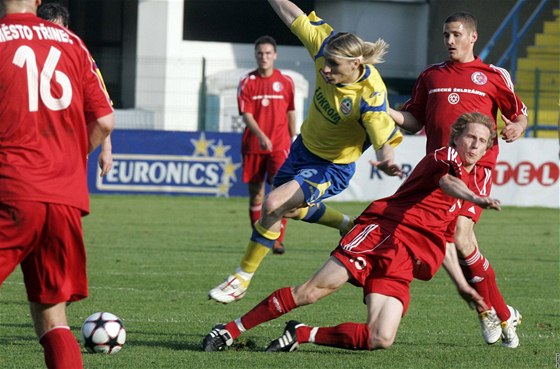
{"x": 509, "y": 103}
{"x": 291, "y": 94}
{"x": 244, "y": 101}
{"x": 448, "y": 158}
{"x": 417, "y": 103}
{"x": 96, "y": 100}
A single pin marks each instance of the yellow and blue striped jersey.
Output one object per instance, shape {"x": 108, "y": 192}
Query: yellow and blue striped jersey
{"x": 343, "y": 119}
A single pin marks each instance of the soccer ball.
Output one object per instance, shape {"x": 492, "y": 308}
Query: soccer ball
{"x": 103, "y": 333}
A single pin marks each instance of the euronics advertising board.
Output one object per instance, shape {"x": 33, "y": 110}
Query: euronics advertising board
{"x": 209, "y": 164}
{"x": 173, "y": 163}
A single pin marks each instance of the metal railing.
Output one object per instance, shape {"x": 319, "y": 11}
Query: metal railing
{"x": 512, "y": 19}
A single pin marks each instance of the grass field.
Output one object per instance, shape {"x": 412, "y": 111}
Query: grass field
{"x": 153, "y": 259}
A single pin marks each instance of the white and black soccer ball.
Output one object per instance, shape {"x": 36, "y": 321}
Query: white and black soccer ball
{"x": 103, "y": 333}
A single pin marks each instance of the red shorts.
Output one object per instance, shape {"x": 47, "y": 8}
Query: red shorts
{"x": 258, "y": 166}
{"x": 480, "y": 182}
{"x": 377, "y": 262}
{"x": 47, "y": 240}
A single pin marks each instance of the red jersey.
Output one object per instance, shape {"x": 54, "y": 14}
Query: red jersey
{"x": 445, "y": 91}
{"x": 268, "y": 99}
{"x": 50, "y": 90}
{"x": 419, "y": 212}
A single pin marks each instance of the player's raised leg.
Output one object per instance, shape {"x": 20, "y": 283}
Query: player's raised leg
{"x": 266, "y": 231}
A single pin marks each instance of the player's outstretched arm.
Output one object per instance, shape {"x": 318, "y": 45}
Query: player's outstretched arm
{"x": 405, "y": 120}
{"x": 286, "y": 10}
{"x": 453, "y": 186}
{"x": 385, "y": 156}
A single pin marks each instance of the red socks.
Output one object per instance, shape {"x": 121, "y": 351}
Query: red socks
{"x": 254, "y": 212}
{"x": 481, "y": 277}
{"x": 351, "y": 336}
{"x": 61, "y": 348}
{"x": 277, "y": 304}
{"x": 282, "y": 230}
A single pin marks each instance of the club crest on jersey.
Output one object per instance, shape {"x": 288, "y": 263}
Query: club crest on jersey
{"x": 453, "y": 98}
{"x": 277, "y": 86}
{"x": 346, "y": 106}
{"x": 479, "y": 78}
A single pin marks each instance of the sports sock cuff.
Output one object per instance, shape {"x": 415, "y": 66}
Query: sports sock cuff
{"x": 472, "y": 258}
{"x": 266, "y": 233}
{"x": 239, "y": 325}
{"x": 52, "y": 329}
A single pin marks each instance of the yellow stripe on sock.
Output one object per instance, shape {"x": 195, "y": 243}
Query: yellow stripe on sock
{"x": 271, "y": 235}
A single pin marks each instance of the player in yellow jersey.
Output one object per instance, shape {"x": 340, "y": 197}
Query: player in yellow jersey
{"x": 58, "y": 14}
{"x": 348, "y": 112}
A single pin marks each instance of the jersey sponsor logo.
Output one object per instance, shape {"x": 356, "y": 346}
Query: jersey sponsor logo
{"x": 324, "y": 107}
{"x": 277, "y": 86}
{"x": 453, "y": 98}
{"x": 346, "y": 106}
{"x": 207, "y": 171}
{"x": 479, "y": 78}
{"x": 265, "y": 102}
{"x": 525, "y": 173}
{"x": 41, "y": 32}
{"x": 457, "y": 90}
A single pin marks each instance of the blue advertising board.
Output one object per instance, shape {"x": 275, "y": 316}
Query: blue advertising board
{"x": 172, "y": 163}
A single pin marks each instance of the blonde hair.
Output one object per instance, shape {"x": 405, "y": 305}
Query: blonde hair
{"x": 461, "y": 123}
{"x": 348, "y": 46}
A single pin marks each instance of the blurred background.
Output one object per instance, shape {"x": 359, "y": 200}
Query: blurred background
{"x": 175, "y": 64}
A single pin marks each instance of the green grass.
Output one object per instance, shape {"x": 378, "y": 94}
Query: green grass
{"x": 153, "y": 259}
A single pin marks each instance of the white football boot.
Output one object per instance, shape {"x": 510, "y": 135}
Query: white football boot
{"x": 491, "y": 326}
{"x": 232, "y": 289}
{"x": 509, "y": 329}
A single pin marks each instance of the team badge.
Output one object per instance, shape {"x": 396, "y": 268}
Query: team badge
{"x": 346, "y": 106}
{"x": 453, "y": 98}
{"x": 277, "y": 86}
{"x": 479, "y": 78}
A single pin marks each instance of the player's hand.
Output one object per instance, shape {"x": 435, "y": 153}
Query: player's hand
{"x": 488, "y": 203}
{"x": 512, "y": 131}
{"x": 105, "y": 162}
{"x": 388, "y": 167}
{"x": 265, "y": 143}
{"x": 472, "y": 298}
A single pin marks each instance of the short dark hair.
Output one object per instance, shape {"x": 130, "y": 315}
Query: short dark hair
{"x": 265, "y": 40}
{"x": 465, "y": 17}
{"x": 461, "y": 123}
{"x": 54, "y": 11}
